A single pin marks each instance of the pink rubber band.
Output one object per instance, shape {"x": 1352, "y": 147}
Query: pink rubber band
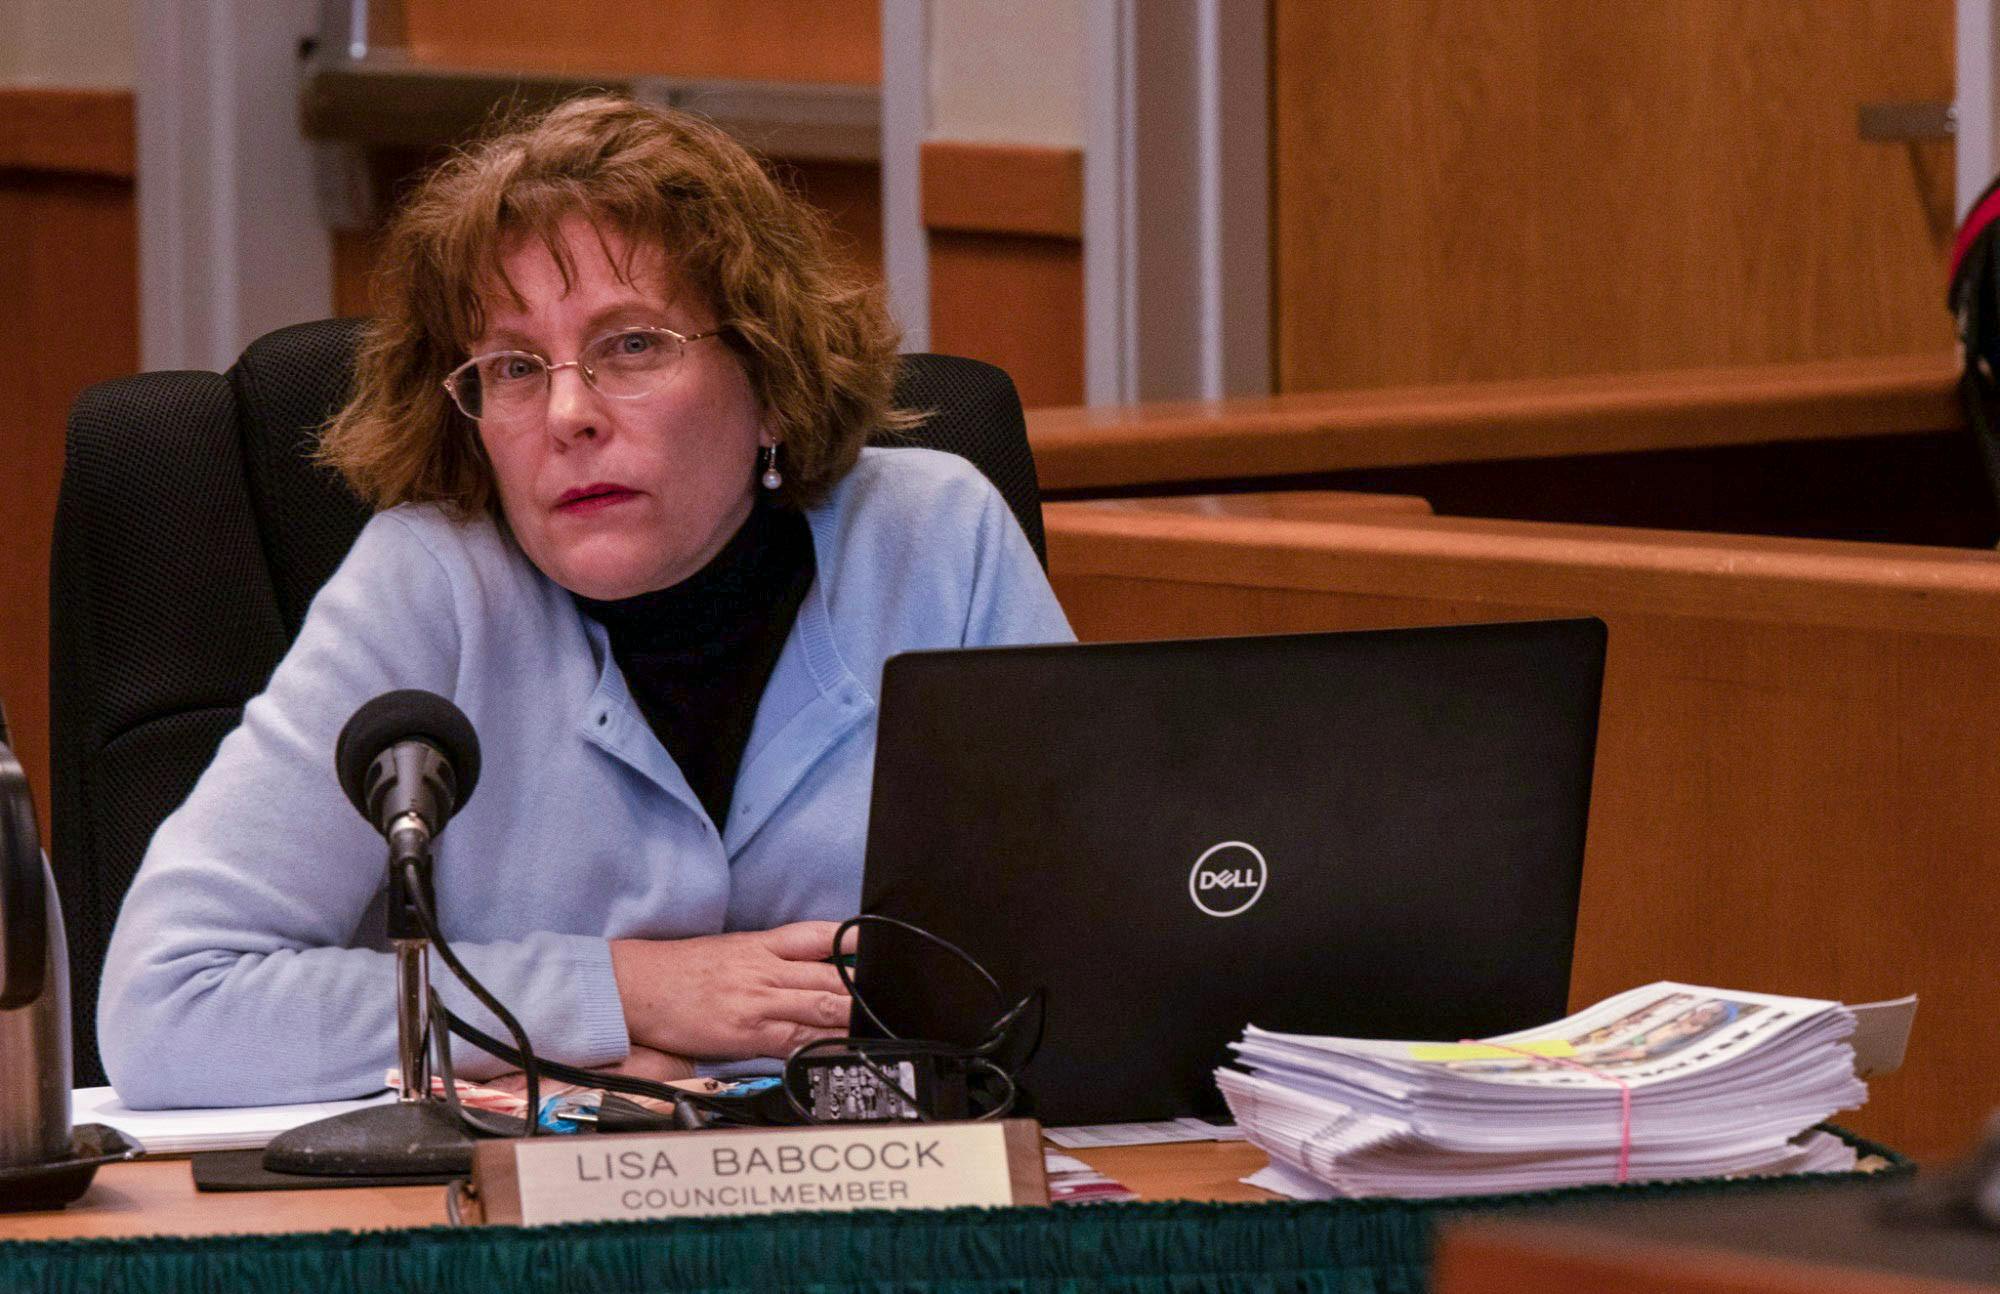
{"x": 1624, "y": 1096}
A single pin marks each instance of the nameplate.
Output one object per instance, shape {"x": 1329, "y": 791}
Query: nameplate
{"x": 840, "y": 1167}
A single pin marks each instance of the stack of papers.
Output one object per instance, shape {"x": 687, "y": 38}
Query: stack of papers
{"x": 1071, "y": 1181}
{"x": 1162, "y": 1133}
{"x": 1720, "y": 1083}
{"x": 184, "y": 1132}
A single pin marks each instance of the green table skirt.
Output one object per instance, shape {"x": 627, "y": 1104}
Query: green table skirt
{"x": 1350, "y": 1246}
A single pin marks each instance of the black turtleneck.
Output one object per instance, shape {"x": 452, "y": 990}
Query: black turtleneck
{"x": 697, "y": 655}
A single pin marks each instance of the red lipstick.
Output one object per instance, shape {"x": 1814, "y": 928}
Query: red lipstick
{"x": 593, "y": 497}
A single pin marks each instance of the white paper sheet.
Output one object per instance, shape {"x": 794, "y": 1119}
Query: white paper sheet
{"x": 182, "y": 1132}
{"x": 1882, "y": 1035}
{"x": 1142, "y": 1134}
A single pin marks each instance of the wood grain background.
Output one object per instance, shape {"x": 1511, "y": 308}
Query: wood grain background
{"x": 69, "y": 289}
{"x": 772, "y": 40}
{"x": 1469, "y": 189}
{"x": 1006, "y": 236}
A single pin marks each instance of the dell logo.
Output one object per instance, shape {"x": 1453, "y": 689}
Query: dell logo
{"x": 1227, "y": 879}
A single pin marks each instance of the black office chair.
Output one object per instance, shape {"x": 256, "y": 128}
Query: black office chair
{"x": 192, "y": 532}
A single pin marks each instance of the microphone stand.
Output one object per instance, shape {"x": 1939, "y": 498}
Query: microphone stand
{"x": 409, "y": 859}
{"x": 417, "y": 1135}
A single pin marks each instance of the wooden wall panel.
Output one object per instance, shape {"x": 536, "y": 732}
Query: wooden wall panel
{"x": 772, "y": 40}
{"x": 849, "y": 194}
{"x": 1794, "y": 760}
{"x": 355, "y": 256}
{"x": 829, "y": 41}
{"x": 67, "y": 131}
{"x": 1006, "y": 260}
{"x": 69, "y": 291}
{"x": 355, "y": 251}
{"x": 1474, "y": 189}
{"x": 995, "y": 188}
{"x": 1015, "y": 302}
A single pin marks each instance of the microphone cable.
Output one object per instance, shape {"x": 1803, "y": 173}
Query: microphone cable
{"x": 697, "y": 1109}
{"x": 524, "y": 1054}
{"x": 716, "y": 1109}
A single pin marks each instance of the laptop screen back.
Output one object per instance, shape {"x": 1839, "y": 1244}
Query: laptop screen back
{"x": 1375, "y": 834}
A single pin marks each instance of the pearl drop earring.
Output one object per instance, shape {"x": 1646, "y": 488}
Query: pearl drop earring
{"x": 768, "y": 462}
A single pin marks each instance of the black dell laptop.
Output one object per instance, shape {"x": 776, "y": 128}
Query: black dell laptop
{"x": 1371, "y": 834}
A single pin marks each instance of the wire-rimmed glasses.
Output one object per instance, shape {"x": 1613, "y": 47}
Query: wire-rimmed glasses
{"x": 508, "y": 386}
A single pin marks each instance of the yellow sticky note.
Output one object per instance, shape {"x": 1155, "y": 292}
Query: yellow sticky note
{"x": 1554, "y": 1048}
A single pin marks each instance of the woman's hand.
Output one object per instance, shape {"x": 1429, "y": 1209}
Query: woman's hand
{"x": 734, "y": 996}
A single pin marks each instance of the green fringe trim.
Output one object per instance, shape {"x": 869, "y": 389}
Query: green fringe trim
{"x": 1339, "y": 1247}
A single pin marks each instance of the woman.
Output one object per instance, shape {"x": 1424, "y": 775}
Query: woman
{"x": 611, "y": 419}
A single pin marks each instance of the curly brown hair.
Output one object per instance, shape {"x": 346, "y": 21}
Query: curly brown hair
{"x": 816, "y": 341}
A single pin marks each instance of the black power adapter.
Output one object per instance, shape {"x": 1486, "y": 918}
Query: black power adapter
{"x": 866, "y": 1086}
{"x": 887, "y": 1078}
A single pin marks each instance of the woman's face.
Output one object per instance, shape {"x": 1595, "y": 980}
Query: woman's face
{"x": 612, "y": 497}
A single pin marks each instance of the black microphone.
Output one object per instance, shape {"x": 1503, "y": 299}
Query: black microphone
{"x": 408, "y": 760}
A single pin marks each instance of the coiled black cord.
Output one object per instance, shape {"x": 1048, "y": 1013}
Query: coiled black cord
{"x": 870, "y": 1052}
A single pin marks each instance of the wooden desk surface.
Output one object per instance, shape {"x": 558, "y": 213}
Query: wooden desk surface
{"x": 157, "y": 1197}
{"x": 1794, "y": 1242}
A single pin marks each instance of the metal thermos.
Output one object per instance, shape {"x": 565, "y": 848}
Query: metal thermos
{"x": 34, "y": 987}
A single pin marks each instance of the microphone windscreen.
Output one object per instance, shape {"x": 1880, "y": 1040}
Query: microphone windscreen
{"x": 409, "y": 714}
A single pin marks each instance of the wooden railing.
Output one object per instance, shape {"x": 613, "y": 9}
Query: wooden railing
{"x": 1085, "y": 449}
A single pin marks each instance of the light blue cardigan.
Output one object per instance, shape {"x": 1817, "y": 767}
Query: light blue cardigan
{"x": 249, "y": 963}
